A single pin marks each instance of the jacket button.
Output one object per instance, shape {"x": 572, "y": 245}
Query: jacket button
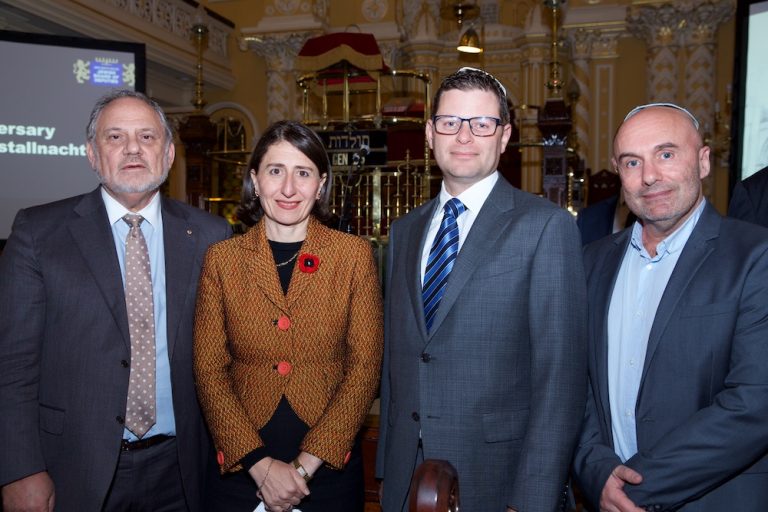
{"x": 426, "y": 357}
{"x": 284, "y": 368}
{"x": 120, "y": 419}
{"x": 283, "y": 323}
{"x": 124, "y": 363}
{"x": 415, "y": 416}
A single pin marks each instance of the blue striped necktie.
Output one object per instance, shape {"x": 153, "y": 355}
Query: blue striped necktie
{"x": 440, "y": 260}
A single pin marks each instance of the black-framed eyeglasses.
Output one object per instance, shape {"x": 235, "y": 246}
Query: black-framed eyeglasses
{"x": 482, "y": 126}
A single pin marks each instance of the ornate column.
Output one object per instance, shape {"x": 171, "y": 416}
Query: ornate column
{"x": 659, "y": 26}
{"x": 581, "y": 45}
{"x": 702, "y": 23}
{"x": 700, "y": 79}
{"x": 604, "y": 53}
{"x": 277, "y": 38}
{"x": 418, "y": 22}
{"x": 279, "y": 50}
{"x": 535, "y": 48}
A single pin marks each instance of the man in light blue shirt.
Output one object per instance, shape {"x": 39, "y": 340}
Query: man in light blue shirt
{"x": 71, "y": 346}
{"x": 678, "y": 385}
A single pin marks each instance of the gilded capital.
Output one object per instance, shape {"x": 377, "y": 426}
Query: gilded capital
{"x": 279, "y": 50}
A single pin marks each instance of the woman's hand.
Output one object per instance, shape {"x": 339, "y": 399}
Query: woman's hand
{"x": 310, "y": 462}
{"x": 280, "y": 485}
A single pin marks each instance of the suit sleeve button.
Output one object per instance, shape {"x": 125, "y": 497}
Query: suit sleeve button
{"x": 425, "y": 357}
{"x": 415, "y": 416}
{"x": 124, "y": 363}
{"x": 120, "y": 419}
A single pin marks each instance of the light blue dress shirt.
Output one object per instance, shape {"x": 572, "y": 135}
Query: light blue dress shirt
{"x": 152, "y": 228}
{"x": 639, "y": 287}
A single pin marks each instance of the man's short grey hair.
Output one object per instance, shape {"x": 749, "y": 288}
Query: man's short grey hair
{"x": 101, "y": 104}
{"x": 667, "y": 105}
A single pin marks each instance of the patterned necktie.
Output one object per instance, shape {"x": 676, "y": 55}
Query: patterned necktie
{"x": 440, "y": 260}
{"x": 140, "y": 411}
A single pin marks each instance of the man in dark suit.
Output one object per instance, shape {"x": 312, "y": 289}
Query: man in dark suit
{"x": 678, "y": 395}
{"x": 603, "y": 218}
{"x": 491, "y": 376}
{"x": 68, "y": 347}
{"x": 750, "y": 199}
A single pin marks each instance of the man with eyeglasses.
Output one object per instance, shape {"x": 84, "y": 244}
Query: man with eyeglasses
{"x": 485, "y": 322}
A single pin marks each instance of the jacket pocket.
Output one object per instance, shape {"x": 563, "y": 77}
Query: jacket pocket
{"x": 501, "y": 264}
{"x": 52, "y": 419}
{"x": 504, "y": 425}
{"x": 708, "y": 310}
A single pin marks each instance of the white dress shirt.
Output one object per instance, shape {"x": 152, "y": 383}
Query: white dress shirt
{"x": 473, "y": 198}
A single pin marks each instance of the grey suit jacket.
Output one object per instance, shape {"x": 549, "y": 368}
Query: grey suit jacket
{"x": 702, "y": 409}
{"x": 497, "y": 387}
{"x": 64, "y": 343}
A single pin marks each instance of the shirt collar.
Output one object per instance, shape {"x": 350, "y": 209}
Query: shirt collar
{"x": 674, "y": 242}
{"x": 116, "y": 211}
{"x": 474, "y": 197}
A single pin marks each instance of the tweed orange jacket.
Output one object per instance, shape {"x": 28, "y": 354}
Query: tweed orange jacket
{"x": 320, "y": 344}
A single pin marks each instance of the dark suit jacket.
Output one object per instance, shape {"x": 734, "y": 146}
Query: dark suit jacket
{"x": 702, "y": 409}
{"x": 497, "y": 387}
{"x": 596, "y": 221}
{"x": 64, "y": 342}
{"x": 333, "y": 342}
{"x": 750, "y": 199}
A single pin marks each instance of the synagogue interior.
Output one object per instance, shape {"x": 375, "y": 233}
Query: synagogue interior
{"x": 363, "y": 73}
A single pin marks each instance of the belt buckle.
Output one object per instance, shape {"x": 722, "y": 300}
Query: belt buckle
{"x": 141, "y": 444}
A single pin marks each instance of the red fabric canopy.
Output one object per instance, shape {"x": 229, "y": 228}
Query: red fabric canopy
{"x": 329, "y": 50}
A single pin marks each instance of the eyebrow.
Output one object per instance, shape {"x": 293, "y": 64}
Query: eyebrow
{"x": 666, "y": 145}
{"x": 280, "y": 164}
{"x": 657, "y": 148}
{"x": 122, "y": 129}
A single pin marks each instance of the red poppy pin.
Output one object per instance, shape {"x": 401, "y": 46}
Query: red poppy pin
{"x": 308, "y": 263}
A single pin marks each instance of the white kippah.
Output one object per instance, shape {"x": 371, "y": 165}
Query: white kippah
{"x": 669, "y": 105}
{"x": 503, "y": 89}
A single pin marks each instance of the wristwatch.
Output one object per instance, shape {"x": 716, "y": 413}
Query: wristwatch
{"x": 303, "y": 472}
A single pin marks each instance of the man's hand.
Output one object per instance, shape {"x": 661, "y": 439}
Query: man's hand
{"x": 613, "y": 498}
{"x": 33, "y": 493}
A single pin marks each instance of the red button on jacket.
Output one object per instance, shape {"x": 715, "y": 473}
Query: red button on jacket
{"x": 283, "y": 323}
{"x": 284, "y": 367}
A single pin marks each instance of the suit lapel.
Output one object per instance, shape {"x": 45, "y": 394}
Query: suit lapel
{"x": 606, "y": 273}
{"x": 180, "y": 239}
{"x": 262, "y": 266}
{"x": 417, "y": 230}
{"x": 694, "y": 253}
{"x": 486, "y": 229}
{"x": 93, "y": 237}
{"x": 313, "y": 244}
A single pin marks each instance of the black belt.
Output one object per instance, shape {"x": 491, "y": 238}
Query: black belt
{"x": 130, "y": 446}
